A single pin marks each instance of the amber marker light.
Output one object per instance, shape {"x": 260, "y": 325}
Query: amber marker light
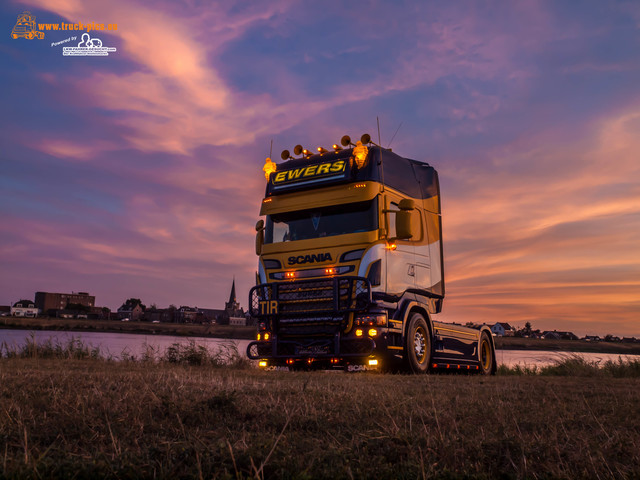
{"x": 269, "y": 168}
{"x": 392, "y": 246}
{"x": 290, "y": 274}
{"x": 329, "y": 271}
{"x": 336, "y": 147}
{"x": 322, "y": 150}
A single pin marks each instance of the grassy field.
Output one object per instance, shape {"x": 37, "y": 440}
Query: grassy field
{"x": 188, "y": 416}
{"x": 178, "y": 329}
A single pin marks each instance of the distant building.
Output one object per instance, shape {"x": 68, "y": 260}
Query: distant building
{"x": 502, "y": 329}
{"x": 24, "y": 308}
{"x": 556, "y": 335}
{"x": 47, "y": 301}
{"x": 186, "y": 314}
{"x": 211, "y": 315}
{"x": 153, "y": 314}
{"x": 131, "y": 310}
{"x": 233, "y": 314}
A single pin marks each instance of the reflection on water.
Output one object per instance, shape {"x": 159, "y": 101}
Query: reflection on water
{"x": 540, "y": 358}
{"x": 117, "y": 345}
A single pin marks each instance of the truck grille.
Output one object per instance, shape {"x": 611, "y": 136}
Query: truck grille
{"x": 322, "y": 301}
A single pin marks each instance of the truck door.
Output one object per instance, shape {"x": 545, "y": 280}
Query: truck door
{"x": 423, "y": 257}
{"x": 401, "y": 264}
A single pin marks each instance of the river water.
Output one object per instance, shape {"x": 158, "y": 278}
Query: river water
{"x": 119, "y": 345}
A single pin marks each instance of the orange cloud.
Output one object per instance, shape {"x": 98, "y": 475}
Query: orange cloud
{"x": 511, "y": 239}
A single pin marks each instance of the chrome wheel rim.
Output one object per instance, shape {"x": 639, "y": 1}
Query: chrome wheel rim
{"x": 419, "y": 345}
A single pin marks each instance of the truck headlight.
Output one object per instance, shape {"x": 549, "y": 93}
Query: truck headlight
{"x": 373, "y": 319}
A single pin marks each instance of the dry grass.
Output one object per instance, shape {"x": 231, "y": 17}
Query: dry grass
{"x": 87, "y": 418}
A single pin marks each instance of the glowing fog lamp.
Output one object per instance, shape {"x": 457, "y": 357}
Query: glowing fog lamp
{"x": 372, "y": 332}
{"x": 359, "y": 332}
{"x": 262, "y": 363}
{"x": 373, "y": 362}
{"x": 267, "y": 336}
{"x": 269, "y": 168}
{"x": 259, "y": 337}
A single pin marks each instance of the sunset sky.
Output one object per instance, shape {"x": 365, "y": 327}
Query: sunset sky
{"x": 139, "y": 174}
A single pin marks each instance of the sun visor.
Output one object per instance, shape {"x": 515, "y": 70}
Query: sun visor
{"x": 336, "y": 195}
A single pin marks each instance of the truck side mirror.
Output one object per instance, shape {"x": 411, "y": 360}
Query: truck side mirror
{"x": 259, "y": 236}
{"x": 403, "y": 219}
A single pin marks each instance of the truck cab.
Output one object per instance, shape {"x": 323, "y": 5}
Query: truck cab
{"x": 350, "y": 270}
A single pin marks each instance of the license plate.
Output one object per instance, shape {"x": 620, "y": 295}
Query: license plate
{"x": 312, "y": 350}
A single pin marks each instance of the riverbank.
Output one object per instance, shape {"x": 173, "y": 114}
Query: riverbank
{"x": 248, "y": 333}
{"x": 90, "y": 418}
{"x": 577, "y": 346}
{"x": 116, "y": 326}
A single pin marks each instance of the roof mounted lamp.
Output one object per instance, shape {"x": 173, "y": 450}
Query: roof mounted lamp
{"x": 269, "y": 168}
{"x": 286, "y": 155}
{"x": 336, "y": 147}
{"x": 360, "y": 153}
{"x": 366, "y": 138}
{"x": 322, "y": 150}
{"x": 298, "y": 149}
{"x": 346, "y": 141}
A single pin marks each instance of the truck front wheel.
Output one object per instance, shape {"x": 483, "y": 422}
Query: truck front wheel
{"x": 487, "y": 355}
{"x": 418, "y": 344}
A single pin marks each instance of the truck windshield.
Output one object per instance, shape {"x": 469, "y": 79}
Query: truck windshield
{"x": 322, "y": 222}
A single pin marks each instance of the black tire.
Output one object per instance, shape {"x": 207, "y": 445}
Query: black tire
{"x": 486, "y": 355}
{"x": 418, "y": 345}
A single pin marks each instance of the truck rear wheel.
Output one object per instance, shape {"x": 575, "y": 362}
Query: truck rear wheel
{"x": 418, "y": 345}
{"x": 487, "y": 355}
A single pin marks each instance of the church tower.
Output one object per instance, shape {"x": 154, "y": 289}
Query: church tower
{"x": 232, "y": 304}
{"x": 234, "y": 313}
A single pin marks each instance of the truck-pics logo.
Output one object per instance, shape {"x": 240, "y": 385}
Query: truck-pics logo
{"x": 319, "y": 258}
{"x": 25, "y": 27}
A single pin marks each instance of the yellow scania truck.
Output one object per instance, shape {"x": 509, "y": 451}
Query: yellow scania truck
{"x": 350, "y": 272}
